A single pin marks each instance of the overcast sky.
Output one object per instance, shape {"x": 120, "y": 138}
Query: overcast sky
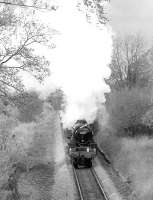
{"x": 132, "y": 16}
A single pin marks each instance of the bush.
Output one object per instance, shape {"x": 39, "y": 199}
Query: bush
{"x": 135, "y": 162}
{"x": 6, "y": 126}
{"x": 126, "y": 109}
{"x": 147, "y": 119}
{"x": 57, "y": 100}
{"x": 29, "y": 105}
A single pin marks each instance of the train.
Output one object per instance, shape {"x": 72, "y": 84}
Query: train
{"x": 82, "y": 148}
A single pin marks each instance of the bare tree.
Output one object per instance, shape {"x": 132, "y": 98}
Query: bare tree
{"x": 130, "y": 65}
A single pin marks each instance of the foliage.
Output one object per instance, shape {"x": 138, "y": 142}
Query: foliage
{"x": 29, "y": 105}
{"x": 131, "y": 64}
{"x": 35, "y": 4}
{"x": 2, "y": 107}
{"x": 20, "y": 141}
{"x": 131, "y": 84}
{"x": 8, "y": 120}
{"x": 132, "y": 158}
{"x": 20, "y": 32}
{"x": 126, "y": 109}
{"x": 147, "y": 119}
{"x": 134, "y": 161}
{"x": 57, "y": 100}
{"x": 25, "y": 145}
{"x": 96, "y": 9}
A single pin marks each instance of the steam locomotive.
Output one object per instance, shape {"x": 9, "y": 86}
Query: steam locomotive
{"x": 82, "y": 148}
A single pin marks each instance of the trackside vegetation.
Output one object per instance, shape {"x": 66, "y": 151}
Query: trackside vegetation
{"x": 127, "y": 133}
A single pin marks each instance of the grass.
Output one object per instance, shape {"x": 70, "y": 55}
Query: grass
{"x": 133, "y": 157}
{"x": 135, "y": 160}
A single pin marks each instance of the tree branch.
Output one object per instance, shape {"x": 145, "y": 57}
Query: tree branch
{"x": 16, "y": 52}
{"x": 26, "y": 43}
{"x": 10, "y": 85}
{"x": 8, "y": 67}
{"x": 2, "y": 91}
{"x": 29, "y": 6}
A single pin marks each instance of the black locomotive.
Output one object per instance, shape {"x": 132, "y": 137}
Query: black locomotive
{"x": 82, "y": 148}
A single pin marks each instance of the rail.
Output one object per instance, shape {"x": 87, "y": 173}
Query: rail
{"x": 97, "y": 184}
{"x": 78, "y": 184}
{"x": 104, "y": 155}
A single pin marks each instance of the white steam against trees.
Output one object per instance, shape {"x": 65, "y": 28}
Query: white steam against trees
{"x": 81, "y": 59}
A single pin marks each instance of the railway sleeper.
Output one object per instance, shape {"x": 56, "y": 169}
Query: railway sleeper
{"x": 82, "y": 161}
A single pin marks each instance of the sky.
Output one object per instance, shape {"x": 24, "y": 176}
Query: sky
{"x": 129, "y": 16}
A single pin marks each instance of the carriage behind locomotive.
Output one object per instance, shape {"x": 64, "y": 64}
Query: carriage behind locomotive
{"x": 82, "y": 148}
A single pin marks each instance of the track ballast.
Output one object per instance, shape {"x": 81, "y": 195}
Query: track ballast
{"x": 89, "y": 185}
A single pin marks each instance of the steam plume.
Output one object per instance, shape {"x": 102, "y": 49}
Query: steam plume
{"x": 80, "y": 62}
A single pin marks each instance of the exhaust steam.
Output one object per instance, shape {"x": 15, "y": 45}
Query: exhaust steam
{"x": 80, "y": 62}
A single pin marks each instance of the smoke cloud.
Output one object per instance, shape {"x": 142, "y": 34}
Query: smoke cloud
{"x": 80, "y": 62}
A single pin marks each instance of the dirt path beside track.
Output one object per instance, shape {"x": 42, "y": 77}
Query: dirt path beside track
{"x": 64, "y": 187}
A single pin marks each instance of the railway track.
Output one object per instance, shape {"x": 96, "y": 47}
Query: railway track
{"x": 88, "y": 184}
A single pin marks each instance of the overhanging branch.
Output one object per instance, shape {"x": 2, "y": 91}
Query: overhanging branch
{"x": 10, "y": 85}
{"x": 28, "y": 6}
{"x": 18, "y": 50}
